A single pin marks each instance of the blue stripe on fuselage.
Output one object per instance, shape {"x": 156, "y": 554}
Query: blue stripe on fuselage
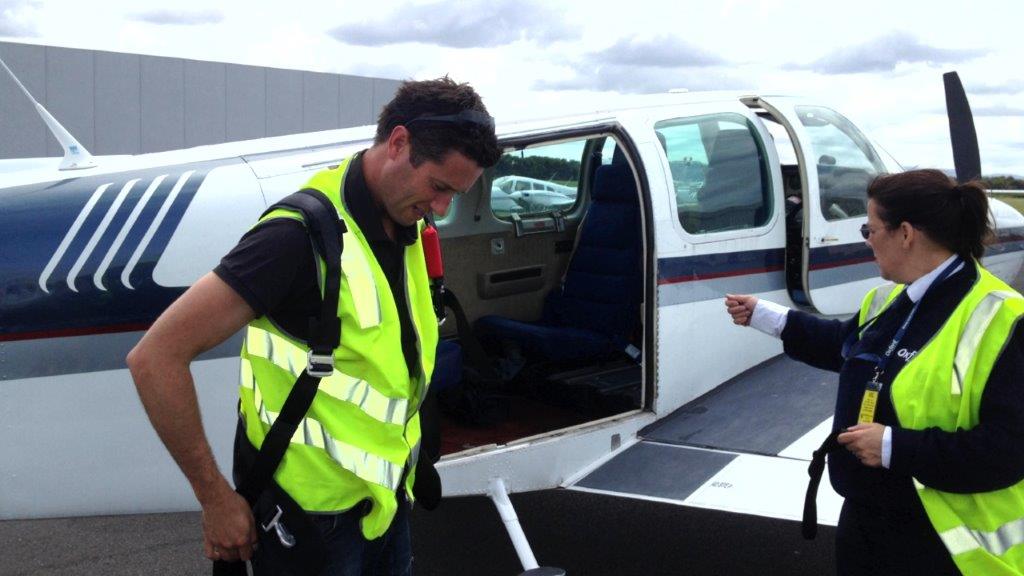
{"x": 706, "y": 277}
{"x": 36, "y": 219}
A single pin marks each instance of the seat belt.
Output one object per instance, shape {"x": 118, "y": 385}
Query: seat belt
{"x": 326, "y": 232}
{"x": 443, "y": 298}
{"x": 475, "y": 355}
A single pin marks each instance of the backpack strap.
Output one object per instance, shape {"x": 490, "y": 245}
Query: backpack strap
{"x": 326, "y": 231}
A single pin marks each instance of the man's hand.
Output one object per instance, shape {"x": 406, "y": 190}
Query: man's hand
{"x": 207, "y": 314}
{"x": 865, "y": 441}
{"x": 740, "y": 307}
{"x": 229, "y": 531}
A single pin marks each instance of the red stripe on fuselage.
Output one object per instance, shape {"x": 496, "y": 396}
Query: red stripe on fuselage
{"x": 70, "y": 332}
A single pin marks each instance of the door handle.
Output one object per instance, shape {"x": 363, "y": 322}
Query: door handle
{"x": 828, "y": 239}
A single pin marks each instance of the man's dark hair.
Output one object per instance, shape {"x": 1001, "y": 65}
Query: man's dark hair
{"x": 441, "y": 117}
{"x": 953, "y": 215}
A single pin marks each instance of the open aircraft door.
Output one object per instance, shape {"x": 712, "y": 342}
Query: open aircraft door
{"x": 836, "y": 162}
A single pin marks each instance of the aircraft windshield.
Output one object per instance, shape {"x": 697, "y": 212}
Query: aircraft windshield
{"x": 845, "y": 160}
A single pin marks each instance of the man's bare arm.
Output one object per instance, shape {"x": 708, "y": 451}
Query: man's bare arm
{"x": 204, "y": 316}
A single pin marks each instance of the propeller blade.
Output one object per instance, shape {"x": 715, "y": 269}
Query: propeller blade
{"x": 966, "y": 158}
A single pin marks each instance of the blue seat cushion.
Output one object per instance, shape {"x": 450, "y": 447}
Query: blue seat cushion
{"x": 447, "y": 366}
{"x": 541, "y": 341}
{"x": 596, "y": 309}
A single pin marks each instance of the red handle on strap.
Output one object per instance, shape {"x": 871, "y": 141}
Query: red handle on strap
{"x": 432, "y": 253}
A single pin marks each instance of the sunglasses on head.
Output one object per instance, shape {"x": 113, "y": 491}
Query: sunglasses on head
{"x": 474, "y": 117}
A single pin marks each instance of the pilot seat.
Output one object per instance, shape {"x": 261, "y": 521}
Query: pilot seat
{"x": 595, "y": 313}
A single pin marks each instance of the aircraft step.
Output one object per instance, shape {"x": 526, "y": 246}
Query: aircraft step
{"x": 743, "y": 447}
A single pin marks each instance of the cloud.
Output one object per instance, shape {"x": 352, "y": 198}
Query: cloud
{"x": 883, "y": 54}
{"x": 386, "y": 68}
{"x": 997, "y": 110}
{"x": 16, "y": 17}
{"x": 641, "y": 80}
{"x": 1009, "y": 87}
{"x": 179, "y": 17}
{"x": 477, "y": 23}
{"x": 641, "y": 65}
{"x": 660, "y": 52}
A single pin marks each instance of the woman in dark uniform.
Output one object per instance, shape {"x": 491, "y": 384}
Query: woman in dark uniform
{"x": 930, "y": 403}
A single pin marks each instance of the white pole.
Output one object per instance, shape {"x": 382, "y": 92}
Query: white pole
{"x": 499, "y": 495}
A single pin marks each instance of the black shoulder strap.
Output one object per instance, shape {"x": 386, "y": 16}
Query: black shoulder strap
{"x": 809, "y": 525}
{"x": 326, "y": 231}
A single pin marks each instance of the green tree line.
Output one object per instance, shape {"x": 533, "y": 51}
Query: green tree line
{"x": 540, "y": 167}
{"x": 1002, "y": 183}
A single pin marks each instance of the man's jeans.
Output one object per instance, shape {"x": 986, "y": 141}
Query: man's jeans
{"x": 350, "y": 554}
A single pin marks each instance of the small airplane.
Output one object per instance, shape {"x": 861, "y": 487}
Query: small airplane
{"x": 524, "y": 196}
{"x": 601, "y": 307}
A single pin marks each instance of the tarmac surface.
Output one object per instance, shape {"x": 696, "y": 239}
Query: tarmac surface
{"x": 585, "y": 534}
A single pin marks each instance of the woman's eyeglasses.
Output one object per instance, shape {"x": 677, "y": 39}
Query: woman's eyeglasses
{"x": 865, "y": 231}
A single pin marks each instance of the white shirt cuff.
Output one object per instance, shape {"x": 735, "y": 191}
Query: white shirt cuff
{"x": 886, "y": 447}
{"x": 769, "y": 317}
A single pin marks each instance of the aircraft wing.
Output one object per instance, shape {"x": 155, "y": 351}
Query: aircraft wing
{"x": 743, "y": 447}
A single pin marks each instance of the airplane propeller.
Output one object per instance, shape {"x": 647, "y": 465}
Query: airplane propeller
{"x": 966, "y": 158}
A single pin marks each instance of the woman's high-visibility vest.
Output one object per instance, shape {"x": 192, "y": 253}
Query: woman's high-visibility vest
{"x": 942, "y": 387}
{"x": 361, "y": 436}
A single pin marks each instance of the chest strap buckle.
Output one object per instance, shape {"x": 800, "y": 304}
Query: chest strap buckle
{"x": 319, "y": 365}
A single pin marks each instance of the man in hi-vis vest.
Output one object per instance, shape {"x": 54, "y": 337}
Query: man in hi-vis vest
{"x": 351, "y": 462}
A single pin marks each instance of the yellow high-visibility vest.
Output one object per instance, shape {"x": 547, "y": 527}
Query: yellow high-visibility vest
{"x": 363, "y": 428}
{"x": 942, "y": 387}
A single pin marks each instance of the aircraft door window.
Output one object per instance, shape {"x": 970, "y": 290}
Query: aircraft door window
{"x": 846, "y": 162}
{"x": 537, "y": 181}
{"x": 719, "y": 173}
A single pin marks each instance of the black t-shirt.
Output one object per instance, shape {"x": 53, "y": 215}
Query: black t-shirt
{"x": 273, "y": 268}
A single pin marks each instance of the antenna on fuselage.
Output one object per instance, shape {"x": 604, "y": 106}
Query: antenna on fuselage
{"x": 76, "y": 157}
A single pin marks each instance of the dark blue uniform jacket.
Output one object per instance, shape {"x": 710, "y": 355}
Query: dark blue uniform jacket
{"x": 988, "y": 457}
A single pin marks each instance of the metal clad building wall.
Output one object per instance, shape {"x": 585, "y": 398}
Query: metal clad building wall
{"x": 246, "y": 102}
{"x": 284, "y": 102}
{"x": 205, "y": 88}
{"x": 22, "y": 133}
{"x": 163, "y": 104}
{"x": 319, "y": 101}
{"x": 70, "y": 94}
{"x": 116, "y": 103}
{"x": 356, "y": 101}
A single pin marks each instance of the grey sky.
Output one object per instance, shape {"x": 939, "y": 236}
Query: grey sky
{"x": 1009, "y": 87}
{"x": 644, "y": 65}
{"x": 179, "y": 17}
{"x": 642, "y": 79}
{"x": 884, "y": 53}
{"x": 998, "y": 111}
{"x": 476, "y": 23}
{"x": 878, "y": 62}
{"x": 16, "y": 18}
{"x": 661, "y": 51}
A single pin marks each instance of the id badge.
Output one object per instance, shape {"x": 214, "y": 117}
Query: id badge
{"x": 870, "y": 401}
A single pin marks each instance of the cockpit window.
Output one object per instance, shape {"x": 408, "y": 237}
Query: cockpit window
{"x": 719, "y": 172}
{"x": 845, "y": 160}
